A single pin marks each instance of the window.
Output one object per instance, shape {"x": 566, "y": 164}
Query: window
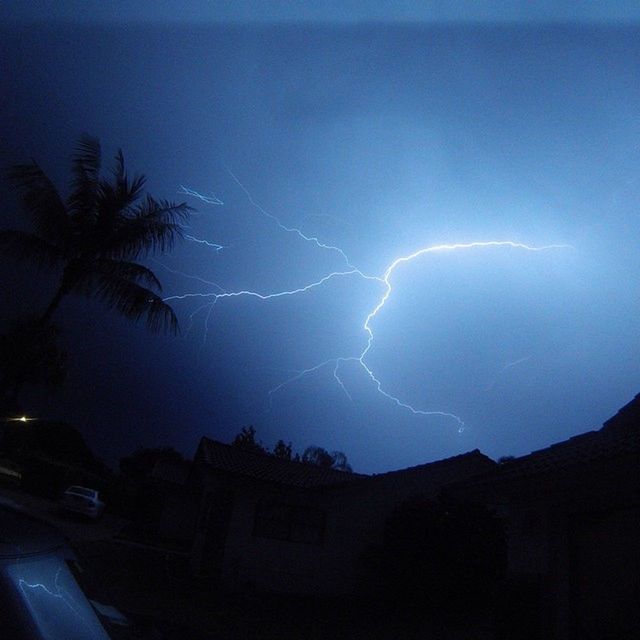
{"x": 289, "y": 522}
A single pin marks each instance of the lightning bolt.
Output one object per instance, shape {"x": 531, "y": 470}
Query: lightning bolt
{"x": 194, "y": 194}
{"x": 268, "y": 296}
{"x": 351, "y": 270}
{"x": 213, "y": 245}
{"x": 506, "y": 367}
{"x": 207, "y": 200}
{"x": 386, "y": 280}
{"x": 311, "y": 239}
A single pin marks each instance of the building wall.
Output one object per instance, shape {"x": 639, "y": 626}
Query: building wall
{"x": 267, "y": 563}
{"x": 245, "y": 560}
{"x": 228, "y": 546}
{"x": 358, "y": 514}
{"x": 605, "y": 574}
{"x": 179, "y": 516}
{"x": 574, "y": 533}
{"x": 572, "y": 539}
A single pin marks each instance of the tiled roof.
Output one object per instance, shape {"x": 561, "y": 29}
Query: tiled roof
{"x": 619, "y": 436}
{"x": 438, "y": 473}
{"x": 225, "y": 457}
{"x": 474, "y": 458}
{"x": 428, "y": 478}
{"x": 231, "y": 459}
{"x": 579, "y": 449}
{"x": 627, "y": 419}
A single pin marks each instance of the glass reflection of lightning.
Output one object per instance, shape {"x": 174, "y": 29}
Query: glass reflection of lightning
{"x": 59, "y": 593}
{"x": 385, "y": 280}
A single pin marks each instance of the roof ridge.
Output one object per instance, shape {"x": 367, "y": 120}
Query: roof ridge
{"x": 467, "y": 454}
{"x": 626, "y": 419}
{"x": 579, "y": 449}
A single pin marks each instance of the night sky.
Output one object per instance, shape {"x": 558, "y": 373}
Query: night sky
{"x": 379, "y": 139}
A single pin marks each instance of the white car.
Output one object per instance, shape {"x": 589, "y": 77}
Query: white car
{"x": 82, "y": 500}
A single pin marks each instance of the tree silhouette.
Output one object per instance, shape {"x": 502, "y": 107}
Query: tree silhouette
{"x": 322, "y": 458}
{"x": 246, "y": 440}
{"x": 314, "y": 455}
{"x": 97, "y": 234}
{"x": 283, "y": 450}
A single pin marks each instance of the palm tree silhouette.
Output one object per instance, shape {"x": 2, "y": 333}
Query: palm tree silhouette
{"x": 97, "y": 234}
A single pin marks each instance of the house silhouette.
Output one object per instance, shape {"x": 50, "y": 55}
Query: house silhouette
{"x": 571, "y": 513}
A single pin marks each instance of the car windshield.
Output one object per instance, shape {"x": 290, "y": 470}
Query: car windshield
{"x": 82, "y": 491}
{"x": 57, "y": 606}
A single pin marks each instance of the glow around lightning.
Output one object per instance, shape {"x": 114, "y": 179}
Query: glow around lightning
{"x": 385, "y": 280}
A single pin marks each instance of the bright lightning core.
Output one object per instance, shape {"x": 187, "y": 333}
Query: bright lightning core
{"x": 385, "y": 281}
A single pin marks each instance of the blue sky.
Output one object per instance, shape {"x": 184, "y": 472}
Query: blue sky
{"x": 380, "y": 140}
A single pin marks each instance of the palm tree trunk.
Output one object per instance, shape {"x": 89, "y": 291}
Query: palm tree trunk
{"x": 10, "y": 388}
{"x": 53, "y": 305}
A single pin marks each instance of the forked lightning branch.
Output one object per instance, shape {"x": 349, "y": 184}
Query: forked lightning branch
{"x": 208, "y": 298}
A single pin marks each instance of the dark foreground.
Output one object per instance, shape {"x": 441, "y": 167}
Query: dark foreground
{"x": 156, "y": 592}
{"x": 153, "y": 588}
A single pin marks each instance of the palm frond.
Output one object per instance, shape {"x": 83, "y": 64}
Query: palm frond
{"x": 85, "y": 166}
{"x": 98, "y": 236}
{"x": 41, "y": 201}
{"x": 30, "y": 246}
{"x": 131, "y": 271}
{"x": 116, "y": 200}
{"x": 121, "y": 177}
{"x": 163, "y": 210}
{"x": 118, "y": 168}
{"x": 135, "y": 302}
{"x": 154, "y": 227}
